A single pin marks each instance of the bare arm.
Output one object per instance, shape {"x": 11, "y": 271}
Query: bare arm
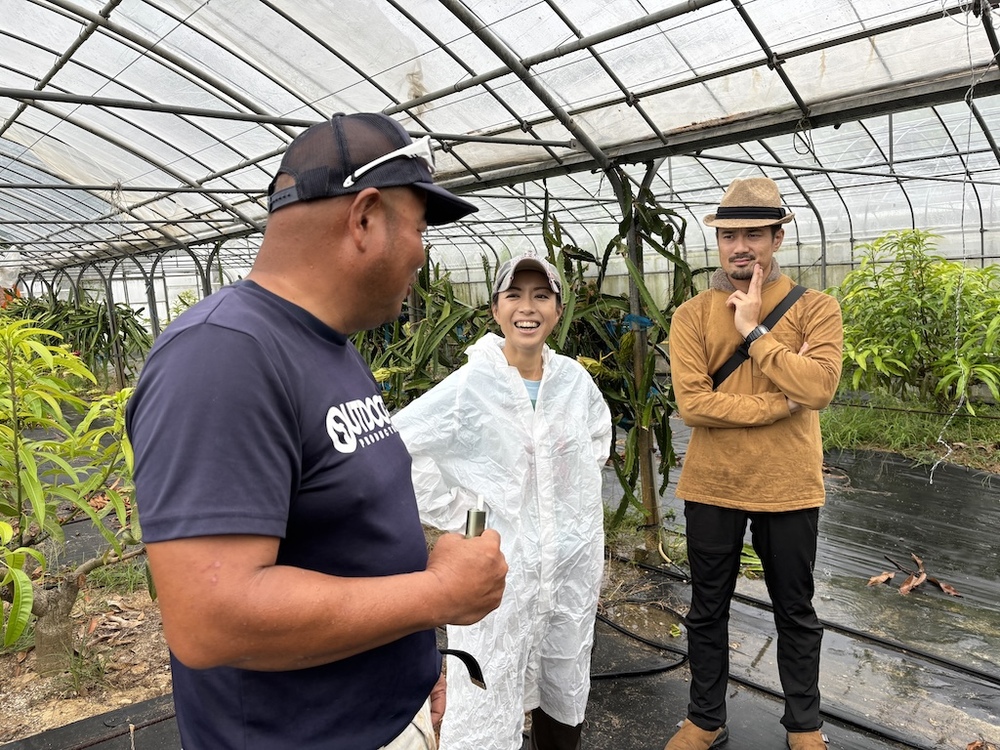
{"x": 224, "y": 601}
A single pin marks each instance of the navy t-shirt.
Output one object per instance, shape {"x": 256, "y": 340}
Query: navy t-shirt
{"x": 251, "y": 416}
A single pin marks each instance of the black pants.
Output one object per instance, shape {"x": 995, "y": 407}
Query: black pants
{"x": 786, "y": 545}
{"x": 549, "y": 734}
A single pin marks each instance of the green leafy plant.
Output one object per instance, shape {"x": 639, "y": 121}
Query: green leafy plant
{"x": 750, "y": 564}
{"x": 107, "y": 338}
{"x": 86, "y": 670}
{"x": 185, "y": 298}
{"x": 921, "y": 431}
{"x": 52, "y": 473}
{"x": 917, "y": 324}
{"x": 126, "y": 578}
{"x": 415, "y": 352}
{"x": 615, "y": 338}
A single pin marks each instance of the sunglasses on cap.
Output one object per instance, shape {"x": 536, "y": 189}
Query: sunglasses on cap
{"x": 418, "y": 149}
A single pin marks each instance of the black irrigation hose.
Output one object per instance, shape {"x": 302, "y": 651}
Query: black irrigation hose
{"x": 78, "y": 519}
{"x": 640, "y": 672}
{"x": 119, "y": 731}
{"x": 902, "y": 648}
{"x": 914, "y": 411}
{"x": 830, "y": 713}
{"x": 840, "y": 716}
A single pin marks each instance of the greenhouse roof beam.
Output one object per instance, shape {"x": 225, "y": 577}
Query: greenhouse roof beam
{"x": 984, "y": 127}
{"x": 149, "y": 158}
{"x": 564, "y": 49}
{"x": 753, "y": 126}
{"x": 217, "y": 90}
{"x": 630, "y": 98}
{"x": 815, "y": 169}
{"x": 331, "y": 49}
{"x": 64, "y": 59}
{"x": 751, "y": 65}
{"x": 465, "y": 66}
{"x": 25, "y": 95}
{"x": 132, "y": 188}
{"x": 151, "y": 48}
{"x": 773, "y": 61}
{"x": 982, "y": 9}
{"x": 497, "y": 46}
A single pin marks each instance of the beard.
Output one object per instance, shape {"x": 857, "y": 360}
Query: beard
{"x": 741, "y": 274}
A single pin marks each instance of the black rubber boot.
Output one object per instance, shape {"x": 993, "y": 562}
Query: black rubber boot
{"x": 549, "y": 734}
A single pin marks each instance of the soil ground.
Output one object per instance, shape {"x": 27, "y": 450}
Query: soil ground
{"x": 123, "y": 660}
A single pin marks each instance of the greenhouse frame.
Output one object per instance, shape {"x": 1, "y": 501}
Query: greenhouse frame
{"x": 138, "y": 137}
{"x": 138, "y": 141}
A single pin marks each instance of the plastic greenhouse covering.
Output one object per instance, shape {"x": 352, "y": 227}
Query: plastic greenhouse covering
{"x": 137, "y": 137}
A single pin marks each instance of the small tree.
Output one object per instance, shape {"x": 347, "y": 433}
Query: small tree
{"x": 416, "y": 351}
{"x": 918, "y": 324}
{"x": 52, "y": 473}
{"x": 600, "y": 331}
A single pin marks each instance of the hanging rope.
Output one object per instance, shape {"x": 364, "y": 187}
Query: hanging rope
{"x": 969, "y": 25}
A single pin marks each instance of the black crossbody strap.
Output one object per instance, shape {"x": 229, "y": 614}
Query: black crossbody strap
{"x": 742, "y": 353}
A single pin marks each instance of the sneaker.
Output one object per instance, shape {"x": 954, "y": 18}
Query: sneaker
{"x": 692, "y": 737}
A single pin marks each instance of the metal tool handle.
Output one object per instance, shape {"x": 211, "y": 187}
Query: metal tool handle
{"x": 475, "y": 520}
{"x": 475, "y": 523}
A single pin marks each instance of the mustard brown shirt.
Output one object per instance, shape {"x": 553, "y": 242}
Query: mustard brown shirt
{"x": 747, "y": 450}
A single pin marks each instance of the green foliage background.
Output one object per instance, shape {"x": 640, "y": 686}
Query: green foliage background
{"x": 97, "y": 333}
{"x": 919, "y": 325}
{"x": 57, "y": 452}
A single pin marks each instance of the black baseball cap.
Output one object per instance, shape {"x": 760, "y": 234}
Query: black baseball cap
{"x": 352, "y": 152}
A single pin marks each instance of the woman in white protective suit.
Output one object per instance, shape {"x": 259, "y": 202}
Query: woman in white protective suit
{"x": 529, "y": 431}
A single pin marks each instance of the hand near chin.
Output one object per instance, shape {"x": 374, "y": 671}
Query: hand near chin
{"x": 746, "y": 305}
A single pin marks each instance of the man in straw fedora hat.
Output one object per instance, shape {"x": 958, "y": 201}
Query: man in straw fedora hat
{"x": 755, "y": 456}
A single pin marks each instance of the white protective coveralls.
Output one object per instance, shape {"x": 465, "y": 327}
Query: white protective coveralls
{"x": 539, "y": 472}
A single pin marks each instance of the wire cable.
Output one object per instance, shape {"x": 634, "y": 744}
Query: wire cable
{"x": 928, "y": 412}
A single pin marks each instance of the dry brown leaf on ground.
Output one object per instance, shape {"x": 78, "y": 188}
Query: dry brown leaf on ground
{"x": 981, "y": 744}
{"x": 912, "y": 582}
{"x": 884, "y": 577}
{"x": 135, "y": 660}
{"x": 945, "y": 587}
{"x": 916, "y": 578}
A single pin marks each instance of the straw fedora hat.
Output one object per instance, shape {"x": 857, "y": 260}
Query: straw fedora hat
{"x": 753, "y": 202}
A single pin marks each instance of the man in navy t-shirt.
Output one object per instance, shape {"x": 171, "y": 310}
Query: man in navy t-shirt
{"x": 298, "y": 598}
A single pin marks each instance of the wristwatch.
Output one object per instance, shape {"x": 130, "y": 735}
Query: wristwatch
{"x": 755, "y": 334}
